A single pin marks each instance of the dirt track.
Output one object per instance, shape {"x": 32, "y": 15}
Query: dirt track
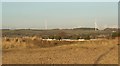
{"x": 66, "y": 54}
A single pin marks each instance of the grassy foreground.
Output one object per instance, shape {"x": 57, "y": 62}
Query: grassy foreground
{"x": 36, "y": 51}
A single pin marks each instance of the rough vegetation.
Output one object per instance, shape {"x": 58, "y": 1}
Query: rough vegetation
{"x": 33, "y": 51}
{"x": 29, "y": 47}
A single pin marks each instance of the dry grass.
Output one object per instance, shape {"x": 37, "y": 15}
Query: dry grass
{"x": 34, "y": 42}
{"x": 30, "y": 42}
{"x": 59, "y": 52}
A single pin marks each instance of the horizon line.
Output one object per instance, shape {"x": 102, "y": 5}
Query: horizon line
{"x": 56, "y": 28}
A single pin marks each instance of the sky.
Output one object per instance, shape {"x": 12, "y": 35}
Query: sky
{"x": 0, "y": 15}
{"x": 59, "y": 0}
{"x": 59, "y": 14}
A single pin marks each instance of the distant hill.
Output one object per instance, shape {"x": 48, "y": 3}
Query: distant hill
{"x": 111, "y": 29}
{"x": 85, "y": 28}
{"x": 55, "y": 32}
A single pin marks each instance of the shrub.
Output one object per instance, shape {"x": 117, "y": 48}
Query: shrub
{"x": 57, "y": 37}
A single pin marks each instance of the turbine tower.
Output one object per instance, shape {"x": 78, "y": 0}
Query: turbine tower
{"x": 46, "y": 24}
{"x": 95, "y": 25}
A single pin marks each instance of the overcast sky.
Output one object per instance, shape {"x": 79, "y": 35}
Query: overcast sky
{"x": 59, "y": 14}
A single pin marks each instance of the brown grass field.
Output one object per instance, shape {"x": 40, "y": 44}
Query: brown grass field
{"x": 36, "y": 51}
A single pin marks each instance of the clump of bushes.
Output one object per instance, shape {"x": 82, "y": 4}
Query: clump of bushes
{"x": 115, "y": 34}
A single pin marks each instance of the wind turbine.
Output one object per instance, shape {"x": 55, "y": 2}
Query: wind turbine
{"x": 46, "y": 24}
{"x": 95, "y": 25}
